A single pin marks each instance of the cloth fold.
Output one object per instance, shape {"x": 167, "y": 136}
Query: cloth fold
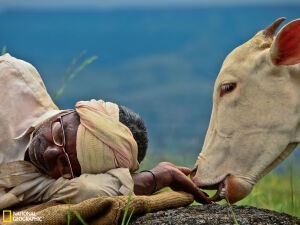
{"x": 22, "y": 184}
{"x": 20, "y": 181}
{"x": 25, "y": 105}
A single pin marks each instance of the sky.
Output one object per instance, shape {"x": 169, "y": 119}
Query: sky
{"x": 113, "y": 4}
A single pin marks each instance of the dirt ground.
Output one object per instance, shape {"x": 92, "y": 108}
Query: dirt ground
{"x": 215, "y": 214}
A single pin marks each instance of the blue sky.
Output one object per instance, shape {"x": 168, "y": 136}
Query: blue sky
{"x": 111, "y": 4}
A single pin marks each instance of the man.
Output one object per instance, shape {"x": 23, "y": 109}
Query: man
{"x": 71, "y": 155}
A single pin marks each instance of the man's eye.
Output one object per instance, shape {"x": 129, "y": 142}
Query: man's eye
{"x": 226, "y": 88}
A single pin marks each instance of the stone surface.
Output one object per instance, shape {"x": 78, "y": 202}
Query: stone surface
{"x": 215, "y": 214}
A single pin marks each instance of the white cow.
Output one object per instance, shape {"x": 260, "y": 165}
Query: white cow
{"x": 255, "y": 120}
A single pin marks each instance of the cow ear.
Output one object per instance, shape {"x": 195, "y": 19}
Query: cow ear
{"x": 285, "y": 49}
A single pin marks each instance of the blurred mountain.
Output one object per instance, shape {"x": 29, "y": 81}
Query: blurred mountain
{"x": 161, "y": 63}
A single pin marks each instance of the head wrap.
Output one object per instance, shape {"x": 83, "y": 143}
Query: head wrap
{"x": 102, "y": 142}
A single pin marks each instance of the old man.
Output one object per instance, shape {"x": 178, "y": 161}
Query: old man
{"x": 71, "y": 155}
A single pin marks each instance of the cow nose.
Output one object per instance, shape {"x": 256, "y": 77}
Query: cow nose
{"x": 193, "y": 172}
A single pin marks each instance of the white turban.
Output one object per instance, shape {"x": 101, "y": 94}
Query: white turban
{"x": 102, "y": 142}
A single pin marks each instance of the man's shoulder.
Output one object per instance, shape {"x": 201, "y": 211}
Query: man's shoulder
{"x": 16, "y": 168}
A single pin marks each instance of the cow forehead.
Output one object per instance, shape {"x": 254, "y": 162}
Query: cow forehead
{"x": 244, "y": 59}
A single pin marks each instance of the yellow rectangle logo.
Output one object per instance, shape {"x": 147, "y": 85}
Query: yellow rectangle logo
{"x": 7, "y": 216}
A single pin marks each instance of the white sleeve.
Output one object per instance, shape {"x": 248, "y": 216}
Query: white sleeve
{"x": 112, "y": 183}
{"x": 21, "y": 183}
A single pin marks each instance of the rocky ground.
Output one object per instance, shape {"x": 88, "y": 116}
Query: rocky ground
{"x": 215, "y": 214}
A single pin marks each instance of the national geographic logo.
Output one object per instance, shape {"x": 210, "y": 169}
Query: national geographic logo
{"x": 21, "y": 216}
{"x": 6, "y": 216}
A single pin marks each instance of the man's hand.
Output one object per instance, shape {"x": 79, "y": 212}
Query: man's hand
{"x": 168, "y": 175}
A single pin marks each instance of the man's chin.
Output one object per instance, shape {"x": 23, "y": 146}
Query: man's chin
{"x": 230, "y": 188}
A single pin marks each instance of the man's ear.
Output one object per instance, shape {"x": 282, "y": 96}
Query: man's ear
{"x": 285, "y": 49}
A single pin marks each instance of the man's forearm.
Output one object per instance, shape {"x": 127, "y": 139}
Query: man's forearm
{"x": 166, "y": 174}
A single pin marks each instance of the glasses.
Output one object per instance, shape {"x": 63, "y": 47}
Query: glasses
{"x": 59, "y": 139}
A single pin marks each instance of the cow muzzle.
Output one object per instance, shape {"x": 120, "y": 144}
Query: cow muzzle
{"x": 228, "y": 187}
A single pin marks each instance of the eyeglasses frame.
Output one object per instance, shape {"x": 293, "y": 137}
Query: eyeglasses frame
{"x": 62, "y": 147}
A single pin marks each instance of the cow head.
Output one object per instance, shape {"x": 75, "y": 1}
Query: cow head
{"x": 255, "y": 120}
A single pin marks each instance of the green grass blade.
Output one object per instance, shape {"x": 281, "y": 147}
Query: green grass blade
{"x": 82, "y": 66}
{"x": 292, "y": 187}
{"x": 129, "y": 218}
{"x": 69, "y": 215}
{"x": 127, "y": 207}
{"x": 59, "y": 91}
{"x": 79, "y": 217}
{"x": 3, "y": 50}
{"x": 67, "y": 78}
{"x": 292, "y": 190}
{"x": 72, "y": 64}
{"x": 232, "y": 213}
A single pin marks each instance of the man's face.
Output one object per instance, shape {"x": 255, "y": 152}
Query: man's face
{"x": 47, "y": 156}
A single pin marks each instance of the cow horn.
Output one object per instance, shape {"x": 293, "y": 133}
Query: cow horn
{"x": 271, "y": 29}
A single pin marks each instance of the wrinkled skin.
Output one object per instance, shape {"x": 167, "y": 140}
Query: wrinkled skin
{"x": 43, "y": 153}
{"x": 256, "y": 112}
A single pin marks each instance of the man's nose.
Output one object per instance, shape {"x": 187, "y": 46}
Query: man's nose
{"x": 51, "y": 155}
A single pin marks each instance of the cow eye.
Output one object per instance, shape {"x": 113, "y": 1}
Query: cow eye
{"x": 227, "y": 88}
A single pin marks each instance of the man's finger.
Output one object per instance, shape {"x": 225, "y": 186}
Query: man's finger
{"x": 199, "y": 195}
{"x": 185, "y": 170}
{"x": 183, "y": 183}
{"x": 202, "y": 197}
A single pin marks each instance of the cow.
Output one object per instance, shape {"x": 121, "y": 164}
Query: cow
{"x": 255, "y": 119}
